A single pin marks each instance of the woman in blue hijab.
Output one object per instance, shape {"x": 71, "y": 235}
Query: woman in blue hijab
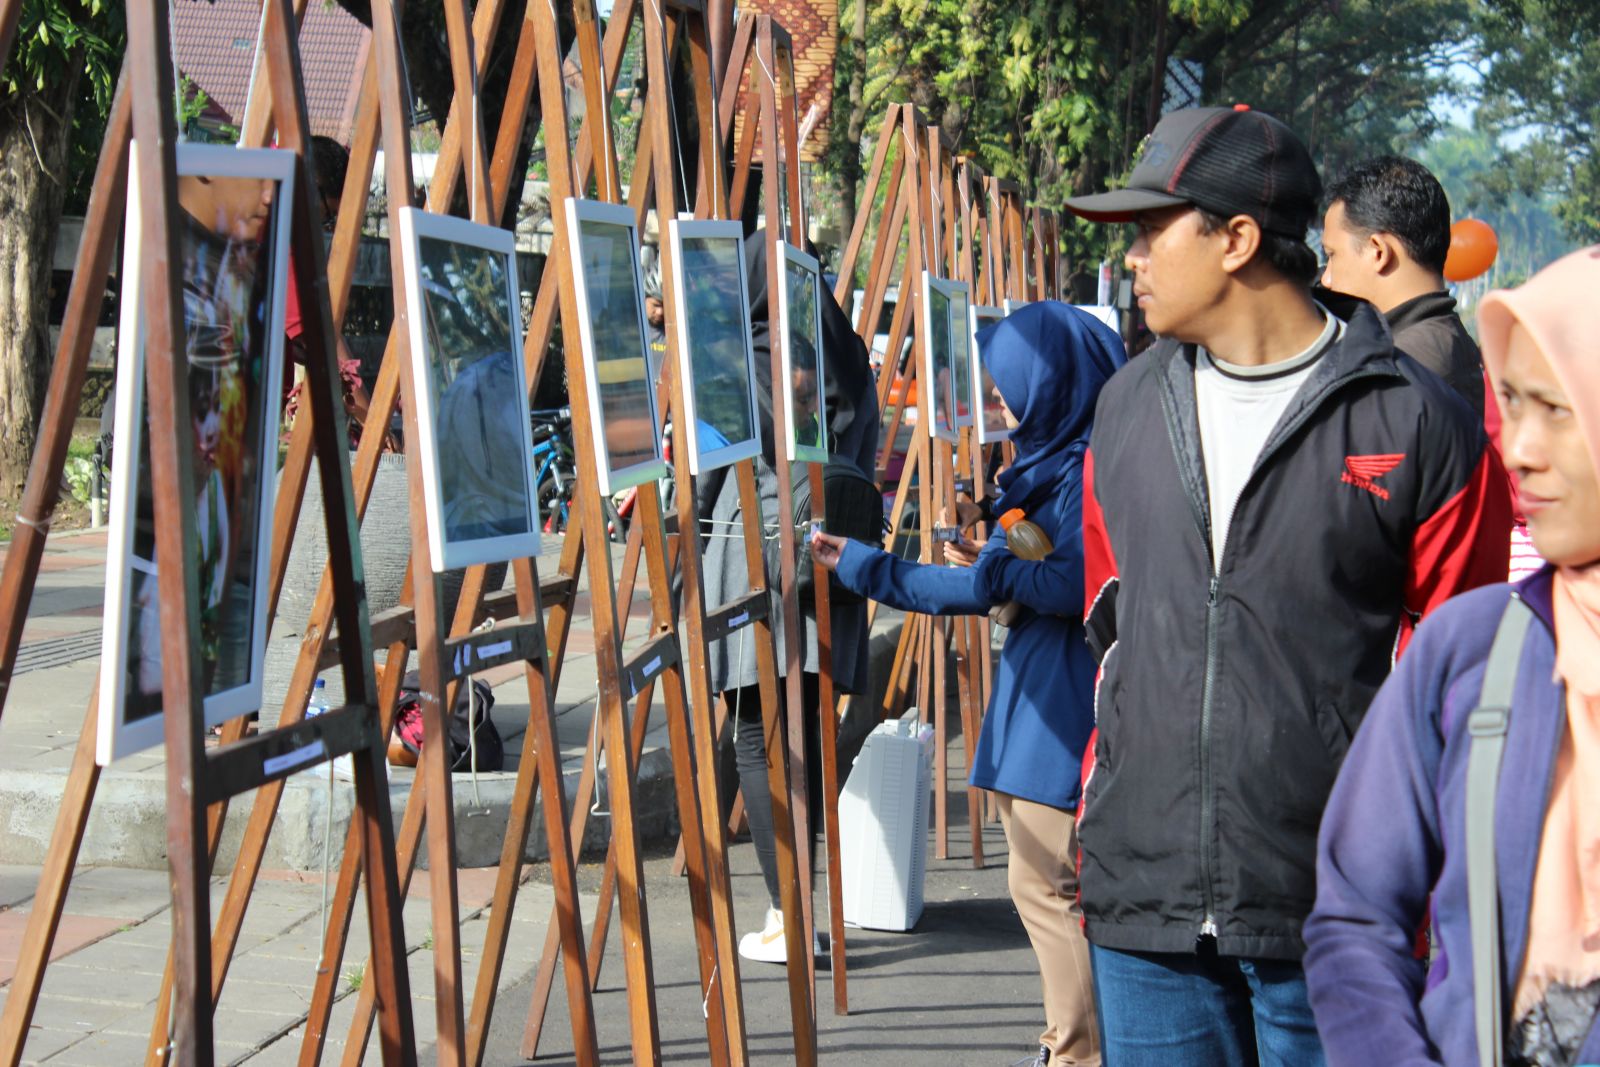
{"x": 1049, "y": 362}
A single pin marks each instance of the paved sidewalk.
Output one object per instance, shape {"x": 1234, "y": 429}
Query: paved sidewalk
{"x": 959, "y": 989}
{"x": 59, "y": 662}
{"x": 98, "y": 1000}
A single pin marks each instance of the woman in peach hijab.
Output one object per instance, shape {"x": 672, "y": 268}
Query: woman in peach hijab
{"x": 1395, "y": 835}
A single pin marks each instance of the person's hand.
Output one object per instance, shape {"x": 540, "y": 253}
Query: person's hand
{"x": 826, "y": 549}
{"x": 968, "y": 514}
{"x": 962, "y": 553}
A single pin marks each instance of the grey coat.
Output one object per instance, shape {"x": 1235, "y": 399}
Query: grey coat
{"x": 732, "y": 660}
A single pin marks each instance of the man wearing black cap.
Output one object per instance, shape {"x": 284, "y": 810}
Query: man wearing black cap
{"x": 1272, "y": 500}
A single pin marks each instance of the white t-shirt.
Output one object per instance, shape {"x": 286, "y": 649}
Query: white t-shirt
{"x": 1238, "y": 409}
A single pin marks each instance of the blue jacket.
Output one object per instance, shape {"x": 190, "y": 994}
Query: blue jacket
{"x": 1041, "y": 708}
{"x": 1393, "y": 836}
{"x": 1049, "y": 361}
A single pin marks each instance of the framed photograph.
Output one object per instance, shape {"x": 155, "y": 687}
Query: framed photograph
{"x": 947, "y": 355}
{"x": 989, "y": 413}
{"x": 1106, "y": 313}
{"x": 715, "y": 354}
{"x": 804, "y": 395}
{"x": 234, "y": 208}
{"x": 476, "y": 442}
{"x": 604, "y": 246}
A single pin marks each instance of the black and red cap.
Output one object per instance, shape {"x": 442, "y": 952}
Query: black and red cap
{"x": 1229, "y": 161}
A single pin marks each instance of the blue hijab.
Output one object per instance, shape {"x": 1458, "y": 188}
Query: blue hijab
{"x": 1049, "y": 361}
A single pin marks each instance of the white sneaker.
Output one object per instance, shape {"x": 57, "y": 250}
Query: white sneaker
{"x": 767, "y": 945}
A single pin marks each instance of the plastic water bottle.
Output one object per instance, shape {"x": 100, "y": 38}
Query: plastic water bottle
{"x": 319, "y": 699}
{"x": 318, "y": 705}
{"x": 1024, "y": 538}
{"x": 1026, "y": 541}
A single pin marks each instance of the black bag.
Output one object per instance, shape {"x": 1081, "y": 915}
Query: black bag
{"x": 854, "y": 509}
{"x": 408, "y": 725}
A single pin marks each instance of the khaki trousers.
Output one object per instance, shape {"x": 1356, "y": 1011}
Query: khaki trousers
{"x": 1043, "y": 878}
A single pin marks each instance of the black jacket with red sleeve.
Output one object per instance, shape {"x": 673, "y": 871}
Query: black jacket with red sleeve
{"x": 1230, "y": 689}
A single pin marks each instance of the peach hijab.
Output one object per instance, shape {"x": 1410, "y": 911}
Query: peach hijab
{"x": 1560, "y": 309}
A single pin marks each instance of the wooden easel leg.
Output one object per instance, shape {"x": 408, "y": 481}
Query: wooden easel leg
{"x": 342, "y": 908}
{"x": 721, "y": 723}
{"x": 798, "y": 966}
{"x": 941, "y": 739}
{"x": 544, "y": 979}
{"x": 540, "y": 757}
{"x": 44, "y": 916}
{"x": 608, "y": 878}
{"x": 829, "y": 725}
{"x": 389, "y": 974}
{"x": 966, "y": 679}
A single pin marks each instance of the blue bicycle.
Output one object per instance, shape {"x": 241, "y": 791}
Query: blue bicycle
{"x": 555, "y": 466}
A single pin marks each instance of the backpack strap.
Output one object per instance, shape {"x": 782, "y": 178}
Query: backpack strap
{"x": 1487, "y": 727}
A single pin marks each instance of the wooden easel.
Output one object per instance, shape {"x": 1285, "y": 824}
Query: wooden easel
{"x": 397, "y": 626}
{"x": 640, "y": 679}
{"x": 763, "y": 49}
{"x": 196, "y": 778}
{"x": 920, "y": 200}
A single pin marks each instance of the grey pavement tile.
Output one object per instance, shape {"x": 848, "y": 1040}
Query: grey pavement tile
{"x": 117, "y": 953}
{"x": 258, "y": 1028}
{"x": 102, "y": 983}
{"x": 154, "y": 934}
{"x": 17, "y": 884}
{"x": 252, "y": 969}
{"x": 56, "y": 1011}
{"x": 101, "y": 1050}
{"x": 118, "y": 892}
{"x": 44, "y": 1042}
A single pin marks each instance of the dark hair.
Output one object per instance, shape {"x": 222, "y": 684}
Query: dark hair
{"x": 330, "y": 160}
{"x": 1400, "y": 197}
{"x": 1289, "y": 256}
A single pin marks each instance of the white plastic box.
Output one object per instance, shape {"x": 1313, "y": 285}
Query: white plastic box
{"x": 883, "y": 826}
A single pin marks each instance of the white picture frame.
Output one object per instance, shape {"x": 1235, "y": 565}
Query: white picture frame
{"x": 946, "y": 365}
{"x": 989, "y": 417}
{"x": 603, "y": 242}
{"x": 475, "y": 439}
{"x": 717, "y": 365}
{"x": 235, "y": 285}
{"x": 800, "y": 312}
{"x": 1106, "y": 313}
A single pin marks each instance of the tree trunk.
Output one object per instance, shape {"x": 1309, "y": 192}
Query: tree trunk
{"x": 35, "y": 135}
{"x": 855, "y": 125}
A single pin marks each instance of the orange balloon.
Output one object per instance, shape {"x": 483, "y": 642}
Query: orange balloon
{"x": 1473, "y": 246}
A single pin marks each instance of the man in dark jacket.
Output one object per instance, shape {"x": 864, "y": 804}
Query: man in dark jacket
{"x": 1385, "y": 236}
{"x": 1272, "y": 500}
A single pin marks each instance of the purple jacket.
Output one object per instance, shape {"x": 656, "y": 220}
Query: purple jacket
{"x": 1393, "y": 836}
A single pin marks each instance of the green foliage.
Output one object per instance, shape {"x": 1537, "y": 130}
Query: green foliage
{"x": 57, "y": 39}
{"x": 1529, "y": 229}
{"x": 1057, "y": 94}
{"x": 1541, "y": 99}
{"x": 54, "y": 37}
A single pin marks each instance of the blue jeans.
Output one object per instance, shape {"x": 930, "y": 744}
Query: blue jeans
{"x": 1202, "y": 1010}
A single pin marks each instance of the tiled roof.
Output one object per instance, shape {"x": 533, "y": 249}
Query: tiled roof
{"x": 215, "y": 41}
{"x": 813, "y": 26}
